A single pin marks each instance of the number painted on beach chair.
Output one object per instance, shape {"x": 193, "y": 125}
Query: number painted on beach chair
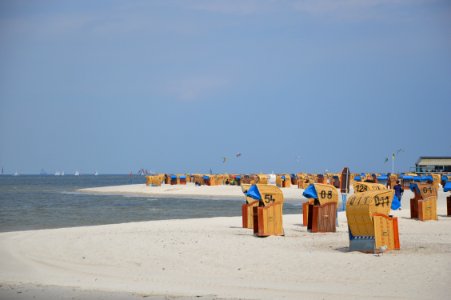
{"x": 384, "y": 200}
{"x": 361, "y": 187}
{"x": 326, "y": 195}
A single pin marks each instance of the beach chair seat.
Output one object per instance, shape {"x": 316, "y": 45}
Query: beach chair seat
{"x": 305, "y": 208}
{"x": 321, "y": 210}
{"x": 371, "y": 228}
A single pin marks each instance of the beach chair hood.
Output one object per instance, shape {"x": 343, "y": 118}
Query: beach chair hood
{"x": 324, "y": 193}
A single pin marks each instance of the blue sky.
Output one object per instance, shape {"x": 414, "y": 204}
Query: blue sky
{"x": 175, "y": 86}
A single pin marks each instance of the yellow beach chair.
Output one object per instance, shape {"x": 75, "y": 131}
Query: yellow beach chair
{"x": 320, "y": 212}
{"x": 267, "y": 216}
{"x": 371, "y": 229}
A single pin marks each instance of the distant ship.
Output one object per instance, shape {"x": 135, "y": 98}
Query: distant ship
{"x": 57, "y": 173}
{"x": 16, "y": 173}
{"x": 77, "y": 173}
{"x": 95, "y": 173}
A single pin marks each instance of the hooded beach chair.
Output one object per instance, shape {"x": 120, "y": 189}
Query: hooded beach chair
{"x": 345, "y": 178}
{"x": 320, "y": 212}
{"x": 302, "y": 180}
{"x": 181, "y": 179}
{"x": 157, "y": 180}
{"x": 444, "y": 179}
{"x": 335, "y": 180}
{"x": 423, "y": 205}
{"x": 358, "y": 177}
{"x": 294, "y": 179}
{"x": 262, "y": 179}
{"x": 371, "y": 228}
{"x": 153, "y": 180}
{"x": 392, "y": 179}
{"x": 267, "y": 216}
{"x": 382, "y": 179}
{"x": 436, "y": 178}
{"x": 172, "y": 179}
{"x": 283, "y": 180}
{"x": 245, "y": 179}
{"x": 319, "y": 178}
{"x": 148, "y": 180}
{"x": 406, "y": 180}
{"x": 207, "y": 179}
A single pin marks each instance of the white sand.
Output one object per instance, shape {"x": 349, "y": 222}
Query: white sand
{"x": 188, "y": 190}
{"x": 217, "y": 258}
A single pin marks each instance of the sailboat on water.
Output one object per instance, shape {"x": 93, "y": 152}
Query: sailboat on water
{"x": 76, "y": 173}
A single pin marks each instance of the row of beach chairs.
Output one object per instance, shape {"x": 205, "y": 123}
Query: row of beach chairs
{"x": 371, "y": 227}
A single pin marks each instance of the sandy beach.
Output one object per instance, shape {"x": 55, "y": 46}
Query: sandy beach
{"x": 189, "y": 191}
{"x": 216, "y": 258}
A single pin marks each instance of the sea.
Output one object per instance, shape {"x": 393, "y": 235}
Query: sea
{"x": 29, "y": 202}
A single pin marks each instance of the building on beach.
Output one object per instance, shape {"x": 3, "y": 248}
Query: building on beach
{"x": 433, "y": 164}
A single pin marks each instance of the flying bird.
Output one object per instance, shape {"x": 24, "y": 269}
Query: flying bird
{"x": 238, "y": 154}
{"x": 224, "y": 159}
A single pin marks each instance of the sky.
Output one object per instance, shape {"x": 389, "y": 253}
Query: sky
{"x": 175, "y": 86}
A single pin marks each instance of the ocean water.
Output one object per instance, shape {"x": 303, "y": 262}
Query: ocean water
{"x": 38, "y": 202}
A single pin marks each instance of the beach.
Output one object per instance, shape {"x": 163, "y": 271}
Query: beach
{"x": 188, "y": 191}
{"x": 214, "y": 258}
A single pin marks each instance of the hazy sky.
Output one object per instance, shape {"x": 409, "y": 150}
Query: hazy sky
{"x": 175, "y": 86}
